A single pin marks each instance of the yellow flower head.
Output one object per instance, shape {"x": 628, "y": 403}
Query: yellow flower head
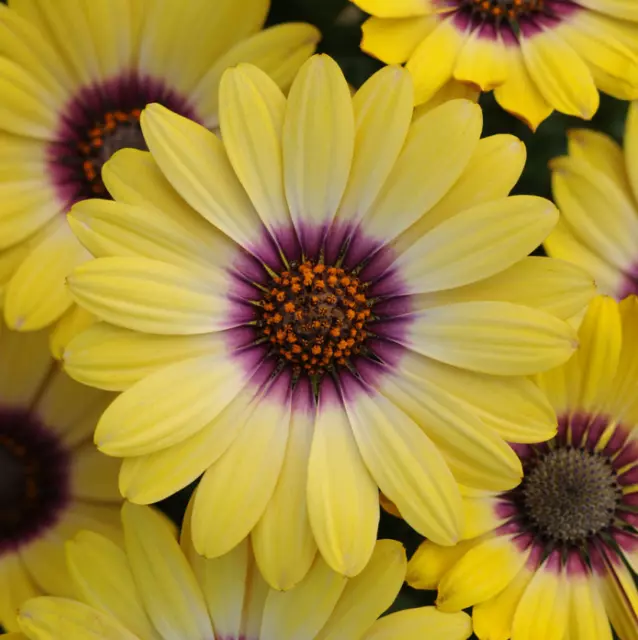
{"x": 74, "y": 77}
{"x": 53, "y": 481}
{"x": 328, "y": 300}
{"x": 553, "y": 557}
{"x": 596, "y": 188}
{"x": 155, "y": 589}
{"x": 537, "y": 55}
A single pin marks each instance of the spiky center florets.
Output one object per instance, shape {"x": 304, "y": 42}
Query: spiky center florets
{"x": 503, "y": 9}
{"x": 33, "y": 478}
{"x": 315, "y": 316}
{"x": 570, "y": 495}
{"x": 118, "y": 130}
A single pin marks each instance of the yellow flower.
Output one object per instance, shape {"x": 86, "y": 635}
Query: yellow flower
{"x": 552, "y": 558}
{"x": 329, "y": 301}
{"x": 537, "y": 55}
{"x": 155, "y": 589}
{"x": 53, "y": 481}
{"x": 596, "y": 188}
{"x": 74, "y": 77}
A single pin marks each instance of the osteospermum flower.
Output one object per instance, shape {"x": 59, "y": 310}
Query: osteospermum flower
{"x": 74, "y": 77}
{"x": 596, "y": 188}
{"x": 554, "y": 557}
{"x": 323, "y": 304}
{"x": 53, "y": 481}
{"x": 537, "y": 55}
{"x": 155, "y": 589}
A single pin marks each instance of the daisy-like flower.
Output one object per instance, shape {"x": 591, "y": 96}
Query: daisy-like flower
{"x": 53, "y": 481}
{"x": 327, "y": 302}
{"x": 596, "y": 188}
{"x": 74, "y": 77}
{"x": 537, "y": 55}
{"x": 154, "y": 589}
{"x": 554, "y": 557}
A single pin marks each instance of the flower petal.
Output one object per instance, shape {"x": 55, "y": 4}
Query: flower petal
{"x": 477, "y": 243}
{"x": 282, "y": 540}
{"x": 102, "y": 577}
{"x": 394, "y": 40}
{"x": 425, "y": 622}
{"x": 318, "y": 144}
{"x": 394, "y": 9}
{"x": 367, "y": 595}
{"x": 483, "y": 59}
{"x": 234, "y": 492}
{"x": 166, "y": 583}
{"x": 499, "y": 338}
{"x": 343, "y": 499}
{"x": 153, "y": 297}
{"x": 48, "y": 618}
{"x": 169, "y": 405}
{"x": 406, "y": 465}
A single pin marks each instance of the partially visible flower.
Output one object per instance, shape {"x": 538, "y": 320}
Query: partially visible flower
{"x": 53, "y": 481}
{"x": 537, "y": 55}
{"x": 153, "y": 589}
{"x": 554, "y": 557}
{"x": 74, "y": 77}
{"x": 332, "y": 299}
{"x": 596, "y": 189}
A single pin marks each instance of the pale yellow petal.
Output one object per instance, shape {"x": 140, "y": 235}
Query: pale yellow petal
{"x": 37, "y": 294}
{"x": 368, "y": 595}
{"x": 425, "y": 622}
{"x": 233, "y": 494}
{"x": 499, "y": 338}
{"x": 102, "y": 578}
{"x": 75, "y": 321}
{"x": 93, "y": 475}
{"x": 167, "y": 586}
{"x": 407, "y": 466}
{"x": 48, "y": 618}
{"x": 169, "y": 405}
{"x": 318, "y": 144}
{"x": 482, "y": 60}
{"x": 16, "y": 587}
{"x": 394, "y": 9}
{"x": 631, "y": 146}
{"x": 343, "y": 499}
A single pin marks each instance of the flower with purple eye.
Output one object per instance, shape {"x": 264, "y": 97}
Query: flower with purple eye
{"x": 537, "y": 55}
{"x": 74, "y": 79}
{"x": 329, "y": 299}
{"x": 554, "y": 557}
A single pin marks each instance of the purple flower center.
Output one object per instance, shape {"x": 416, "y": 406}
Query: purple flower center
{"x": 97, "y": 122}
{"x": 34, "y": 478}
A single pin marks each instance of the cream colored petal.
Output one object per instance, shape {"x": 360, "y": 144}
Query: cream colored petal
{"x": 343, "y": 499}
{"x": 407, "y": 466}
{"x": 251, "y": 111}
{"x": 382, "y": 113}
{"x": 169, "y": 405}
{"x": 194, "y": 161}
{"x": 234, "y": 492}
{"x": 300, "y": 613}
{"x": 435, "y": 154}
{"x": 368, "y": 595}
{"x": 493, "y": 170}
{"x": 37, "y": 295}
{"x": 48, "y": 618}
{"x": 318, "y": 145}
{"x": 282, "y": 540}
{"x": 166, "y": 583}
{"x": 102, "y": 577}
{"x": 279, "y": 51}
{"x": 154, "y": 297}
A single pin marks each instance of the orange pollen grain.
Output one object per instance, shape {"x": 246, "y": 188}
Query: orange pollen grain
{"x": 319, "y": 313}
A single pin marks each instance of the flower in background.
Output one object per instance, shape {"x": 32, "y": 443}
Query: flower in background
{"x": 153, "y": 588}
{"x": 330, "y": 299}
{"x": 596, "y": 188}
{"x": 537, "y": 55}
{"x": 74, "y": 78}
{"x": 554, "y": 557}
{"x": 53, "y": 481}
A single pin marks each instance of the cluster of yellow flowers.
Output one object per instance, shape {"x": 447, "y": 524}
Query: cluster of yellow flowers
{"x": 219, "y": 262}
